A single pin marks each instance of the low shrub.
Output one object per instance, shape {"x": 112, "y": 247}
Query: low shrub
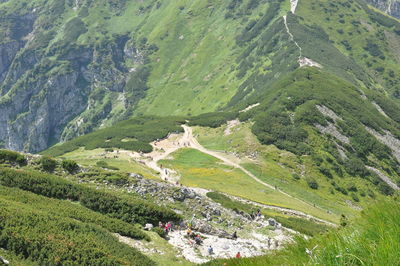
{"x": 105, "y": 165}
{"x": 312, "y": 183}
{"x": 70, "y": 166}
{"x": 160, "y": 231}
{"x": 13, "y": 157}
{"x": 213, "y": 120}
{"x": 131, "y": 210}
{"x": 48, "y": 164}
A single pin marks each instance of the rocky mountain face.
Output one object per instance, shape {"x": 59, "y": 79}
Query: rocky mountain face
{"x": 44, "y": 86}
{"x": 70, "y": 67}
{"x": 391, "y": 7}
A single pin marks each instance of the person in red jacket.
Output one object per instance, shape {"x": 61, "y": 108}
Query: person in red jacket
{"x": 238, "y": 256}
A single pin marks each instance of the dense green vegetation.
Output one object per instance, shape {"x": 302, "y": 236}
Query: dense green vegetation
{"x": 134, "y": 134}
{"x": 53, "y": 232}
{"x": 12, "y": 157}
{"x": 370, "y": 240}
{"x": 70, "y": 166}
{"x": 72, "y": 210}
{"x": 131, "y": 210}
{"x": 48, "y": 164}
{"x": 212, "y": 119}
{"x": 288, "y": 120}
{"x": 105, "y": 165}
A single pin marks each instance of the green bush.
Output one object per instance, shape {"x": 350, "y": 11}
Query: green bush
{"x": 71, "y": 210}
{"x": 213, "y": 120}
{"x": 142, "y": 129}
{"x": 312, "y": 183}
{"x": 48, "y": 164}
{"x": 296, "y": 176}
{"x": 70, "y": 166}
{"x": 325, "y": 171}
{"x": 54, "y": 240}
{"x": 277, "y": 128}
{"x": 13, "y": 157}
{"x": 73, "y": 29}
{"x": 130, "y": 210}
{"x": 355, "y": 167}
{"x": 355, "y": 197}
{"x": 105, "y": 165}
{"x": 160, "y": 231}
{"x": 385, "y": 189}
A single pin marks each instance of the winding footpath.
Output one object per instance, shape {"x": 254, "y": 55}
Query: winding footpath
{"x": 194, "y": 144}
{"x": 302, "y": 60}
{"x": 187, "y": 140}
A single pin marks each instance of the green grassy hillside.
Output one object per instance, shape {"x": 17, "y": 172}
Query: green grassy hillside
{"x": 51, "y": 219}
{"x": 89, "y": 64}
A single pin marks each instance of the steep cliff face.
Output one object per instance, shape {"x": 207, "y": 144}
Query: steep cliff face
{"x": 41, "y": 97}
{"x": 391, "y": 7}
{"x": 54, "y": 88}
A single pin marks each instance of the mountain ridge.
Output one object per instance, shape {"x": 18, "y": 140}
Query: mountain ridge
{"x": 76, "y": 76}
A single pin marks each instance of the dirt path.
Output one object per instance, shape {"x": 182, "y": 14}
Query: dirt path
{"x": 286, "y": 211}
{"x": 302, "y": 60}
{"x": 165, "y": 147}
{"x": 193, "y": 143}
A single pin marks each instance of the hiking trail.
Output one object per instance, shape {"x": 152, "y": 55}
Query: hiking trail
{"x": 302, "y": 60}
{"x": 164, "y": 148}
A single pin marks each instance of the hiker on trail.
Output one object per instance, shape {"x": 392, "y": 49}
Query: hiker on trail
{"x": 189, "y": 232}
{"x": 210, "y": 250}
{"x": 166, "y": 227}
{"x": 258, "y": 213}
{"x": 198, "y": 240}
{"x": 169, "y": 227}
{"x": 234, "y": 236}
{"x": 238, "y": 256}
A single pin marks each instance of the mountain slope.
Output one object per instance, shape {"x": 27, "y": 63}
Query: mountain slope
{"x": 68, "y": 68}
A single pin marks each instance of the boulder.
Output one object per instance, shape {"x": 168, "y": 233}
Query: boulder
{"x": 272, "y": 222}
{"x": 148, "y": 227}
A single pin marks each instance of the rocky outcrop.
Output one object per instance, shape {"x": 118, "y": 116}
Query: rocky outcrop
{"x": 384, "y": 178}
{"x": 391, "y": 7}
{"x": 34, "y": 116}
{"x": 388, "y": 139}
{"x": 40, "y": 97}
{"x": 8, "y": 52}
{"x": 331, "y": 129}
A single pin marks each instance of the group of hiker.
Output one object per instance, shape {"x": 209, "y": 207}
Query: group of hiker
{"x": 196, "y": 237}
{"x": 167, "y": 227}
